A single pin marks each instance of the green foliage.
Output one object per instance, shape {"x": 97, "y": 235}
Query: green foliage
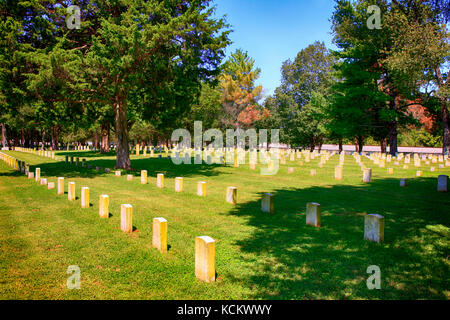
{"x": 419, "y": 138}
{"x": 298, "y": 105}
{"x": 208, "y": 109}
{"x": 130, "y": 60}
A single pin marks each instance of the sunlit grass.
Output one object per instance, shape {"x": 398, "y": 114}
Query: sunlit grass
{"x": 258, "y": 256}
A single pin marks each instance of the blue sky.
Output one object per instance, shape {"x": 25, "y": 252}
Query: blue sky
{"x": 273, "y": 31}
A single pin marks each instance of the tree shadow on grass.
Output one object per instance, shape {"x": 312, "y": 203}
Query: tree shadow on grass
{"x": 298, "y": 261}
{"x": 85, "y": 154}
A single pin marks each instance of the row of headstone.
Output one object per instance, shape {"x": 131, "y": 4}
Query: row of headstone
{"x": 231, "y": 193}
{"x": 373, "y": 223}
{"x": 39, "y": 152}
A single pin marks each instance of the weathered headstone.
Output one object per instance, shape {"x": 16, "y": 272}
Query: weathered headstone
{"x": 144, "y": 178}
{"x": 442, "y": 183}
{"x": 367, "y": 175}
{"x": 43, "y": 181}
{"x": 178, "y": 184}
{"x": 231, "y": 195}
{"x": 51, "y": 185}
{"x": 60, "y": 185}
{"x": 160, "y": 180}
{"x": 85, "y": 197}
{"x": 103, "y": 206}
{"x": 205, "y": 252}
{"x": 160, "y": 234}
{"x": 374, "y": 227}
{"x": 403, "y": 183}
{"x": 37, "y": 174}
{"x": 71, "y": 191}
{"x": 201, "y": 188}
{"x": 129, "y": 177}
{"x": 313, "y": 214}
{"x": 267, "y": 203}
{"x": 338, "y": 173}
{"x": 126, "y": 217}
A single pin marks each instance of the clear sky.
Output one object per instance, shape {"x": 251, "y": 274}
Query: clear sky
{"x": 273, "y": 31}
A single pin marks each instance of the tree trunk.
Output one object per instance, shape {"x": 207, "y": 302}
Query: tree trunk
{"x": 56, "y": 138}
{"x": 4, "y": 136}
{"x": 393, "y": 138}
{"x": 26, "y": 142}
{"x": 383, "y": 145}
{"x": 444, "y": 111}
{"x": 43, "y": 139}
{"x": 53, "y": 138}
{"x": 340, "y": 145}
{"x": 359, "y": 143}
{"x": 122, "y": 153}
{"x": 95, "y": 139}
{"x": 393, "y": 125}
{"x": 446, "y": 126}
{"x": 105, "y": 137}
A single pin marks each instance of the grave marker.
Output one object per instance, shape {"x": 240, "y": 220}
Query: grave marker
{"x": 144, "y": 179}
{"x": 126, "y": 217}
{"x": 103, "y": 206}
{"x": 37, "y": 174}
{"x": 267, "y": 203}
{"x": 71, "y": 191}
{"x": 160, "y": 234}
{"x": 201, "y": 188}
{"x": 160, "y": 180}
{"x": 374, "y": 227}
{"x": 178, "y": 184}
{"x": 313, "y": 214}
{"x": 442, "y": 183}
{"x": 85, "y": 197}
{"x": 338, "y": 173}
{"x": 205, "y": 259}
{"x": 403, "y": 183}
{"x": 60, "y": 185}
{"x": 367, "y": 175}
{"x": 231, "y": 195}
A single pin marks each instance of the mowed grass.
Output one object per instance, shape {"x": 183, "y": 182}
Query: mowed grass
{"x": 258, "y": 255}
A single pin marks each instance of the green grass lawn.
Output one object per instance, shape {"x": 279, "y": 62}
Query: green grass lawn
{"x": 258, "y": 255}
